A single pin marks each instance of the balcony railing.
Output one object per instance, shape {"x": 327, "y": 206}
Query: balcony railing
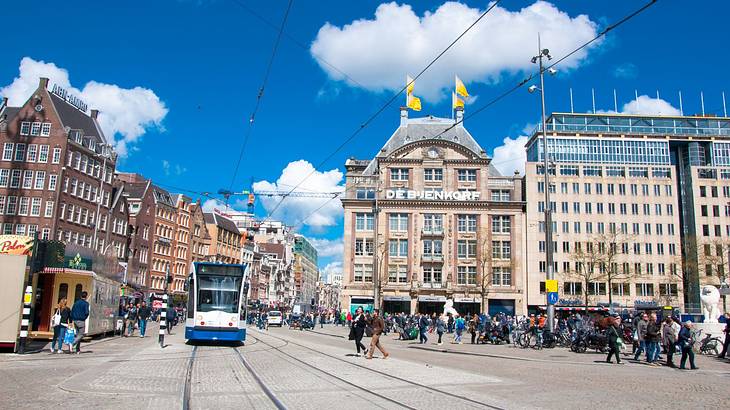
{"x": 432, "y": 258}
{"x": 432, "y": 231}
{"x": 433, "y": 285}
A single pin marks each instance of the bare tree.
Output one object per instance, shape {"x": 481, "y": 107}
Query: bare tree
{"x": 613, "y": 247}
{"x": 587, "y": 260}
{"x": 485, "y": 264}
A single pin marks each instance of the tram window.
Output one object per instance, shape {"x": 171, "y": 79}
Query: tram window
{"x": 62, "y": 291}
{"x": 77, "y": 292}
{"x": 219, "y": 293}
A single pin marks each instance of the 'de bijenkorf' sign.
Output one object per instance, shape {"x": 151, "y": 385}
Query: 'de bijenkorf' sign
{"x": 432, "y": 195}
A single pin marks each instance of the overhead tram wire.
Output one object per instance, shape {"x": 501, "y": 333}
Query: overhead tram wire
{"x": 252, "y": 118}
{"x": 506, "y": 93}
{"x": 384, "y": 106}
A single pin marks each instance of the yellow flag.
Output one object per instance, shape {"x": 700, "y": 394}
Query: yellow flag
{"x": 413, "y": 102}
{"x": 460, "y": 88}
{"x": 456, "y": 101}
{"x": 409, "y": 85}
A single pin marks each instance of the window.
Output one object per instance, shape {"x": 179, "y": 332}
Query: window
{"x": 501, "y": 224}
{"x": 363, "y": 221}
{"x": 620, "y": 289}
{"x": 20, "y": 229}
{"x": 2, "y": 204}
{"x": 597, "y": 288}
{"x": 433, "y": 223}
{"x": 40, "y": 180}
{"x": 43, "y": 154}
{"x": 45, "y": 129}
{"x": 56, "y": 156}
{"x": 397, "y": 274}
{"x": 363, "y": 247}
{"x": 500, "y": 195}
{"x": 12, "y": 205}
{"x": 363, "y": 272}
{"x": 668, "y": 289}
{"x": 20, "y": 152}
{"x": 23, "y": 206}
{"x": 572, "y": 288}
{"x": 432, "y": 274}
{"x": 644, "y": 289}
{"x": 4, "y": 177}
{"x": 32, "y": 153}
{"x": 466, "y": 248}
{"x": 49, "y": 209}
{"x": 52, "y": 180}
{"x": 501, "y": 276}
{"x": 467, "y": 223}
{"x": 25, "y": 128}
{"x": 27, "y": 179}
{"x": 399, "y": 174}
{"x": 433, "y": 174}
{"x": 466, "y": 275}
{"x": 398, "y": 222}
{"x": 35, "y": 207}
{"x": 15, "y": 178}
{"x": 362, "y": 193}
{"x": 467, "y": 175}
{"x": 35, "y": 128}
{"x": 501, "y": 249}
{"x": 8, "y": 151}
{"x": 432, "y": 248}
{"x": 398, "y": 248}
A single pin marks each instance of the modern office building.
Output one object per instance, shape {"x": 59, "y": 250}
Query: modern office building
{"x": 429, "y": 219}
{"x": 641, "y": 202}
{"x": 306, "y": 272}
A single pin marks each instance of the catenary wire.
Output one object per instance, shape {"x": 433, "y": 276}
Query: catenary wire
{"x": 252, "y": 118}
{"x": 373, "y": 116}
{"x": 507, "y": 93}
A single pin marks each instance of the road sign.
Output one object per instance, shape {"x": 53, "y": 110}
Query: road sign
{"x": 551, "y": 285}
{"x": 552, "y": 298}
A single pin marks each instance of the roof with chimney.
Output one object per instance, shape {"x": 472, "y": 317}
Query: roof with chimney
{"x": 428, "y": 128}
{"x": 76, "y": 119}
{"x": 220, "y": 221}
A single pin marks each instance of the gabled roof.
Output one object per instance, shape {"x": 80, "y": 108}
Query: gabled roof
{"x": 136, "y": 190}
{"x": 427, "y": 128}
{"x": 162, "y": 196}
{"x": 220, "y": 221}
{"x": 9, "y": 113}
{"x": 75, "y": 119}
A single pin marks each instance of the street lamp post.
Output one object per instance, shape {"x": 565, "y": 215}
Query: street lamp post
{"x": 538, "y": 59}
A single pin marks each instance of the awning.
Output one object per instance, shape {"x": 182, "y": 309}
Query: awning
{"x": 425, "y": 298}
{"x": 397, "y": 298}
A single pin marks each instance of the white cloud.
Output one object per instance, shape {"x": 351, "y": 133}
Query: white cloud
{"x": 626, "y": 71}
{"x": 511, "y": 155}
{"x": 646, "y": 105}
{"x": 379, "y": 52}
{"x": 331, "y": 269}
{"x": 327, "y": 248}
{"x": 125, "y": 114}
{"x": 294, "y": 209}
{"x": 169, "y": 169}
{"x": 212, "y": 204}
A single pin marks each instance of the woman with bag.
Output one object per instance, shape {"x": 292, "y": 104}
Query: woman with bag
{"x": 61, "y": 318}
{"x": 358, "y": 328}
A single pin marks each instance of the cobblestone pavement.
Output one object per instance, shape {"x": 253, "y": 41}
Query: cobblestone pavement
{"x": 308, "y": 370}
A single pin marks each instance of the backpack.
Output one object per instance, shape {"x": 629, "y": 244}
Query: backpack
{"x": 460, "y": 324}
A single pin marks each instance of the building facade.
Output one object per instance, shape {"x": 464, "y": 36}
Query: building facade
{"x": 199, "y": 237}
{"x": 181, "y": 243}
{"x": 640, "y": 209}
{"x": 141, "y": 214}
{"x": 429, "y": 219}
{"x": 306, "y": 272}
{"x": 226, "y": 240}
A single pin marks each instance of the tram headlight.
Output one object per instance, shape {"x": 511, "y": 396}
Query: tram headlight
{"x": 200, "y": 317}
{"x": 233, "y": 319}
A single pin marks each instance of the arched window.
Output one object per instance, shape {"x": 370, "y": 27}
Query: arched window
{"x": 77, "y": 292}
{"x": 62, "y": 291}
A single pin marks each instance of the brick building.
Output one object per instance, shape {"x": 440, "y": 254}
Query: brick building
{"x": 225, "y": 239}
{"x": 199, "y": 236}
{"x": 56, "y": 169}
{"x": 141, "y": 214}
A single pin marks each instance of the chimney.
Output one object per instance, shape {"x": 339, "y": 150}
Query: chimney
{"x": 94, "y": 114}
{"x": 43, "y": 83}
{"x": 403, "y": 116}
{"x": 460, "y": 115}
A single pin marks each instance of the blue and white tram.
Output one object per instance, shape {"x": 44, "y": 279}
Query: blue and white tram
{"x": 216, "y": 302}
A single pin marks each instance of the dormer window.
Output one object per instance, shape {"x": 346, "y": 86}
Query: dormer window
{"x": 45, "y": 129}
{"x": 78, "y": 138}
{"x": 35, "y": 129}
{"x": 92, "y": 145}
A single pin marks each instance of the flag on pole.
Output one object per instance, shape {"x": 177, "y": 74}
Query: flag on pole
{"x": 460, "y": 88}
{"x": 456, "y": 101}
{"x": 412, "y": 101}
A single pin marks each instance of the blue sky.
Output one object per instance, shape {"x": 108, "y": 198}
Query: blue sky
{"x": 199, "y": 65}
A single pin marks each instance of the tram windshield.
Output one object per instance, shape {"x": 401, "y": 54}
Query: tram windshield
{"x": 218, "y": 293}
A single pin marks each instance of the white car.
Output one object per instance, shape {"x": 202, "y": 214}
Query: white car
{"x": 274, "y": 318}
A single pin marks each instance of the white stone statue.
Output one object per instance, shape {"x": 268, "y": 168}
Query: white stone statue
{"x": 710, "y": 298}
{"x": 449, "y": 308}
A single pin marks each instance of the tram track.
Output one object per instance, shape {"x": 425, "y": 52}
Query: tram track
{"x": 381, "y": 373}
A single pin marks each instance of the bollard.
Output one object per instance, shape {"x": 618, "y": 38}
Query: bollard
{"x": 163, "y": 320}
{"x": 27, "y": 298}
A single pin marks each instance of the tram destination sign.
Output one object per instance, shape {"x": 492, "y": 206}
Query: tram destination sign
{"x": 432, "y": 195}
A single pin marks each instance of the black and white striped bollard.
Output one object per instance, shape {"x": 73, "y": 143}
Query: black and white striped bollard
{"x": 163, "y": 320}
{"x": 27, "y": 298}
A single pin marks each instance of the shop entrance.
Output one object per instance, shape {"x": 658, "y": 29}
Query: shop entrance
{"x": 467, "y": 308}
{"x": 393, "y": 307}
{"x": 431, "y": 307}
{"x": 364, "y": 302}
{"x": 506, "y": 306}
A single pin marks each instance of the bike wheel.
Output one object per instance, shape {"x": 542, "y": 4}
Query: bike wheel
{"x": 581, "y": 347}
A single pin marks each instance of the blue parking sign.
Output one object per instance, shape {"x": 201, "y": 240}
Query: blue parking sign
{"x": 552, "y": 298}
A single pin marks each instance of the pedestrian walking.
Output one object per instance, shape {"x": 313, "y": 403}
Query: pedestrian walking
{"x": 349, "y": 318}
{"x": 640, "y": 334}
{"x": 144, "y": 314}
{"x": 358, "y": 327}
{"x": 79, "y": 314}
{"x": 726, "y": 344}
{"x": 378, "y": 325}
{"x": 613, "y": 335}
{"x": 473, "y": 323}
{"x": 459, "y": 325}
{"x": 651, "y": 340}
{"x": 686, "y": 340}
{"x": 440, "y": 328}
{"x": 132, "y": 317}
{"x": 423, "y": 328}
{"x": 61, "y": 319}
{"x": 450, "y": 322}
{"x": 170, "y": 319}
{"x": 669, "y": 340}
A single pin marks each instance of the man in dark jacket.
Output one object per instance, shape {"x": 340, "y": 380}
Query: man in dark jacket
{"x": 652, "y": 340}
{"x": 378, "y": 325}
{"x": 423, "y": 328}
{"x": 613, "y": 337}
{"x": 79, "y": 314}
{"x": 685, "y": 341}
{"x": 640, "y": 334}
{"x": 144, "y": 315}
{"x": 726, "y": 344}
